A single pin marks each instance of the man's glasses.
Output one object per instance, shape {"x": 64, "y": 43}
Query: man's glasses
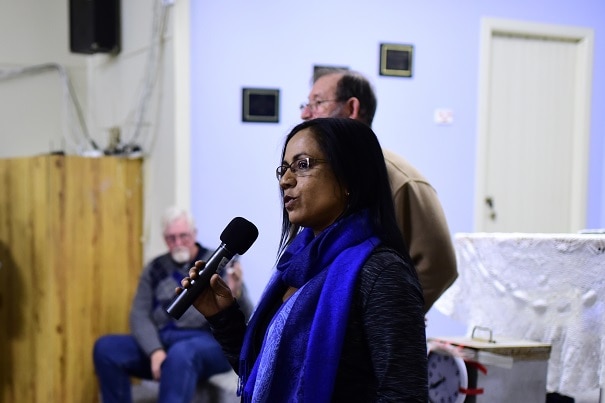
{"x": 183, "y": 237}
{"x": 298, "y": 167}
{"x": 313, "y": 106}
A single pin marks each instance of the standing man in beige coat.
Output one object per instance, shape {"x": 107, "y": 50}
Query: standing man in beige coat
{"x": 420, "y": 217}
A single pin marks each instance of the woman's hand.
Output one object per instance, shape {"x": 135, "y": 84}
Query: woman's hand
{"x": 212, "y": 299}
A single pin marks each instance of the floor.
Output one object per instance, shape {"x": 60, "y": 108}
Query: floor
{"x": 146, "y": 392}
{"x": 220, "y": 388}
{"x": 589, "y": 397}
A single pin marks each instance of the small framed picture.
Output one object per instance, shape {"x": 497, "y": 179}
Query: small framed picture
{"x": 396, "y": 60}
{"x": 260, "y": 105}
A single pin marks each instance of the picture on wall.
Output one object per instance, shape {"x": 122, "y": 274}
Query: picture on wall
{"x": 396, "y": 59}
{"x": 260, "y": 105}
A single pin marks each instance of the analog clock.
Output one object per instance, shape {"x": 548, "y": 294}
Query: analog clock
{"x": 447, "y": 377}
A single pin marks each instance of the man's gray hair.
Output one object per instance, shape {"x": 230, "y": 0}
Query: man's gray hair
{"x": 173, "y": 213}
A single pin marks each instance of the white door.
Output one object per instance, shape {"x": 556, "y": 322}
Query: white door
{"x": 533, "y": 127}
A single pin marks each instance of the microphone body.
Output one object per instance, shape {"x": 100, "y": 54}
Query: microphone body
{"x": 236, "y": 238}
{"x": 183, "y": 301}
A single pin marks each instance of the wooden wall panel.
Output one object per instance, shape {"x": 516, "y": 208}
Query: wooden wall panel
{"x": 70, "y": 255}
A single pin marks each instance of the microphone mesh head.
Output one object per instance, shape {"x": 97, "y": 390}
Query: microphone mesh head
{"x": 239, "y": 235}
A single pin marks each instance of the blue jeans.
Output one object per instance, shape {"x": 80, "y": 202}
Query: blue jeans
{"x": 191, "y": 356}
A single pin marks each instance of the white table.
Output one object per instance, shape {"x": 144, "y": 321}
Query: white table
{"x": 543, "y": 287}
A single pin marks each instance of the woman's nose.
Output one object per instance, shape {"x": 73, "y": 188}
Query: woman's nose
{"x": 287, "y": 180}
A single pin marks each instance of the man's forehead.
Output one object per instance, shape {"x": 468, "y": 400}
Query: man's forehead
{"x": 324, "y": 86}
{"x": 179, "y": 225}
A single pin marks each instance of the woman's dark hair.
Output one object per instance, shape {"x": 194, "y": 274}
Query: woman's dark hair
{"x": 355, "y": 156}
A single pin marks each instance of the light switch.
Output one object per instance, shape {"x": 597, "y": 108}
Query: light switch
{"x": 443, "y": 116}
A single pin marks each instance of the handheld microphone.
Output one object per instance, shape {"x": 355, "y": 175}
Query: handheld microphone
{"x": 236, "y": 238}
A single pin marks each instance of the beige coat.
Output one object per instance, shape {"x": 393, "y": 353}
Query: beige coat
{"x": 421, "y": 219}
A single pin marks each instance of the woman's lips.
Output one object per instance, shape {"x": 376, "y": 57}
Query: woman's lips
{"x": 289, "y": 202}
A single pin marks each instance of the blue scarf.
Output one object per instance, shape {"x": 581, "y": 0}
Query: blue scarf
{"x": 304, "y": 356}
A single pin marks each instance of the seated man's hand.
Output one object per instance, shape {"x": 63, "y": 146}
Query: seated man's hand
{"x": 157, "y": 358}
{"x": 235, "y": 278}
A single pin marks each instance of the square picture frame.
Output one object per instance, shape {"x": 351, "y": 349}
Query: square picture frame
{"x": 260, "y": 105}
{"x": 396, "y": 59}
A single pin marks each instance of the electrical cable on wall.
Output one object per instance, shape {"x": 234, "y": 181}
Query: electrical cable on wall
{"x": 150, "y": 77}
{"x": 83, "y": 140}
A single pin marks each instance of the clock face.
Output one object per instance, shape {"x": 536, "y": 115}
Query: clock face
{"x": 446, "y": 374}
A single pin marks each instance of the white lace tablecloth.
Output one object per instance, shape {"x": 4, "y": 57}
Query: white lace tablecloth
{"x": 542, "y": 287}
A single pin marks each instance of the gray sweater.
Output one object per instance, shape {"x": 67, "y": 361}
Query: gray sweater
{"x": 155, "y": 292}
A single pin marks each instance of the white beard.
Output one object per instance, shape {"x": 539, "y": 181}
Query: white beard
{"x": 181, "y": 255}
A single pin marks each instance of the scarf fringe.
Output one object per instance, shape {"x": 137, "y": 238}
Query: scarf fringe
{"x": 241, "y": 379}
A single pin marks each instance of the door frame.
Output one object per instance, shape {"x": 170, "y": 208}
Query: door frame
{"x": 584, "y": 37}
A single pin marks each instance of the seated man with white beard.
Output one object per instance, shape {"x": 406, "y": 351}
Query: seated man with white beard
{"x": 177, "y": 353}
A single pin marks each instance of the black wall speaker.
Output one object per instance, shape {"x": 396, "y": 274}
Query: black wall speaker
{"x": 94, "y": 26}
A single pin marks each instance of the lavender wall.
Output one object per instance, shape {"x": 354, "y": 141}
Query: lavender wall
{"x": 274, "y": 44}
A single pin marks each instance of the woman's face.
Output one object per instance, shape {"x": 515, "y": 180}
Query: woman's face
{"x": 312, "y": 197}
